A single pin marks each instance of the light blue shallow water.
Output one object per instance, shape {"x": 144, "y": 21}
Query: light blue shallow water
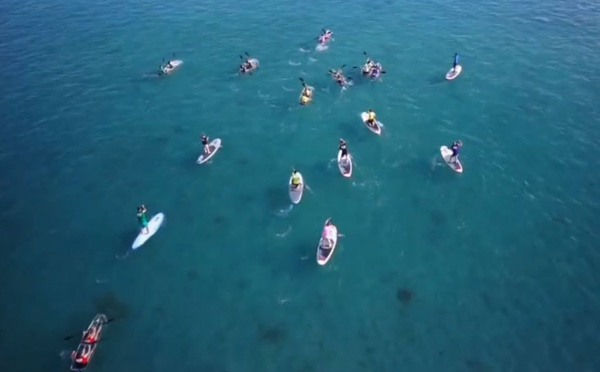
{"x": 492, "y": 270}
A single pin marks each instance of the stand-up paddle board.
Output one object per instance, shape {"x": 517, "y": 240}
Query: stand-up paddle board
{"x": 213, "y": 147}
{"x": 376, "y": 129}
{"x": 153, "y": 226}
{"x": 296, "y": 191}
{"x": 175, "y": 65}
{"x": 446, "y": 155}
{"x": 344, "y": 164}
{"x": 454, "y": 72}
{"x": 327, "y": 243}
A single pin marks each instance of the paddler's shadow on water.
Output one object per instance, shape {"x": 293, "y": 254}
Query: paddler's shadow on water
{"x": 436, "y": 79}
{"x": 436, "y": 171}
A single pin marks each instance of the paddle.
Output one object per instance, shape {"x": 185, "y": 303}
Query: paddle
{"x": 303, "y": 83}
{"x": 72, "y": 336}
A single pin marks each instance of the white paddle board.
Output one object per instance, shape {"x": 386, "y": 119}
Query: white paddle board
{"x": 153, "y": 225}
{"x": 377, "y": 130}
{"x": 175, "y": 63}
{"x": 327, "y": 243}
{"x": 213, "y": 147}
{"x": 345, "y": 164}
{"x": 454, "y": 72}
{"x": 446, "y": 155}
{"x": 296, "y": 192}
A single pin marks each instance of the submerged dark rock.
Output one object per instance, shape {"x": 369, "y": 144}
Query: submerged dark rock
{"x": 405, "y": 296}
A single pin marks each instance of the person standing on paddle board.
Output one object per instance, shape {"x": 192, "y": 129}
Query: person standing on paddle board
{"x": 142, "y": 219}
{"x": 372, "y": 118}
{"x": 344, "y": 148}
{"x": 295, "y": 179}
{"x": 204, "y": 140}
{"x": 455, "y": 62}
{"x": 456, "y": 146}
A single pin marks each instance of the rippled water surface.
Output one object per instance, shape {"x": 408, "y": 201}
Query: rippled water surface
{"x": 495, "y": 269}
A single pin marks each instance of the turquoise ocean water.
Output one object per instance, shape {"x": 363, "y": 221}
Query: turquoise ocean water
{"x": 495, "y": 269}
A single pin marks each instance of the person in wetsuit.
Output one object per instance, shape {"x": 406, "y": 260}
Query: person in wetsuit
{"x": 204, "y": 140}
{"x": 455, "y": 147}
{"x": 344, "y": 148}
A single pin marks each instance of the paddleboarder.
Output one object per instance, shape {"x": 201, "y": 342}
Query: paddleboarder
{"x": 142, "y": 219}
{"x": 295, "y": 179}
{"x": 344, "y": 148}
{"x": 372, "y": 118}
{"x": 204, "y": 140}
{"x": 91, "y": 337}
{"x": 82, "y": 358}
{"x": 455, "y": 61}
{"x": 456, "y": 146}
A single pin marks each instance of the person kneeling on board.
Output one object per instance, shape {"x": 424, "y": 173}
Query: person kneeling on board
{"x": 372, "y": 118}
{"x": 142, "y": 220}
{"x": 344, "y": 148}
{"x": 338, "y": 76}
{"x": 456, "y": 146}
{"x": 306, "y": 95}
{"x": 83, "y": 358}
{"x": 91, "y": 336}
{"x": 246, "y": 66}
{"x": 295, "y": 179}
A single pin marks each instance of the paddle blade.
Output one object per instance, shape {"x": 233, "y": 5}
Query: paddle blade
{"x": 384, "y": 72}
{"x": 246, "y": 53}
{"x": 68, "y": 338}
{"x": 109, "y": 320}
{"x": 365, "y": 53}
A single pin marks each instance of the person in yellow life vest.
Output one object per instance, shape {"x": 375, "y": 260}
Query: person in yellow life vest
{"x": 295, "y": 179}
{"x": 304, "y": 99}
{"x": 372, "y": 117}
